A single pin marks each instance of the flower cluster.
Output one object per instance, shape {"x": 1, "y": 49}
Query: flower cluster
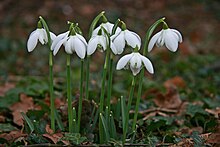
{"x": 103, "y": 37}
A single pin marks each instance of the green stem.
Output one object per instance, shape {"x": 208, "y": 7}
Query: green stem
{"x": 69, "y": 98}
{"x": 110, "y": 82}
{"x": 128, "y": 108}
{"x": 52, "y": 106}
{"x": 138, "y": 100}
{"x": 141, "y": 75}
{"x": 101, "y": 134}
{"x": 81, "y": 95}
{"x": 87, "y": 76}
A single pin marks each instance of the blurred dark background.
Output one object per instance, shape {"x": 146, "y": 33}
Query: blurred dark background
{"x": 197, "y": 20}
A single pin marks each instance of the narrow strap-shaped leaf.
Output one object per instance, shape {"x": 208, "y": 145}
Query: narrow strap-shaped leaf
{"x": 58, "y": 120}
{"x": 94, "y": 22}
{"x": 105, "y": 127}
{"x": 123, "y": 112}
{"x": 95, "y": 120}
{"x": 112, "y": 127}
{"x": 30, "y": 124}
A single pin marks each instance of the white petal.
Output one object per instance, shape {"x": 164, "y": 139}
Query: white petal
{"x": 178, "y": 34}
{"x": 68, "y": 45}
{"x": 132, "y": 39}
{"x": 113, "y": 48}
{"x": 135, "y": 71}
{"x": 52, "y": 36}
{"x": 147, "y": 63}
{"x": 171, "y": 41}
{"x": 119, "y": 42}
{"x": 108, "y": 26}
{"x": 82, "y": 38}
{"x": 42, "y": 36}
{"x": 135, "y": 61}
{"x": 95, "y": 32}
{"x": 123, "y": 61}
{"x": 92, "y": 45}
{"x": 153, "y": 41}
{"x": 103, "y": 42}
{"x": 58, "y": 45}
{"x": 32, "y": 41}
{"x": 80, "y": 48}
{"x": 58, "y": 38}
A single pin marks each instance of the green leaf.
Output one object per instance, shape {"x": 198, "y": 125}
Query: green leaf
{"x": 30, "y": 124}
{"x": 74, "y": 138}
{"x": 113, "y": 133}
{"x": 105, "y": 127}
{"x": 59, "y": 121}
{"x": 94, "y": 22}
{"x": 193, "y": 109}
{"x": 123, "y": 112}
{"x": 6, "y": 128}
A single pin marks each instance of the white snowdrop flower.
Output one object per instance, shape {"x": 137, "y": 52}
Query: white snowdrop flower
{"x": 169, "y": 37}
{"x": 135, "y": 61}
{"x": 73, "y": 43}
{"x": 38, "y": 35}
{"x": 108, "y": 27}
{"x": 125, "y": 37}
{"x": 94, "y": 42}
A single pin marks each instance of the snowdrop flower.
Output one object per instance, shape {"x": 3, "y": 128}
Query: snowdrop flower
{"x": 125, "y": 37}
{"x": 135, "y": 61}
{"x": 73, "y": 43}
{"x": 108, "y": 27}
{"x": 95, "y": 41}
{"x": 169, "y": 37}
{"x": 38, "y": 35}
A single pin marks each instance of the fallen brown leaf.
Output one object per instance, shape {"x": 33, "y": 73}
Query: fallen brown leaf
{"x": 12, "y": 135}
{"x": 2, "y": 119}
{"x": 56, "y": 137}
{"x": 175, "y": 81}
{"x": 4, "y": 88}
{"x": 169, "y": 100}
{"x": 24, "y": 105}
{"x": 214, "y": 112}
{"x": 214, "y": 138}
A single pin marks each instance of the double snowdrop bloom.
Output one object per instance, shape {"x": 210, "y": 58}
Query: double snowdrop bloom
{"x": 169, "y": 37}
{"x": 72, "y": 43}
{"x": 135, "y": 61}
{"x": 108, "y": 27}
{"x": 38, "y": 35}
{"x": 125, "y": 37}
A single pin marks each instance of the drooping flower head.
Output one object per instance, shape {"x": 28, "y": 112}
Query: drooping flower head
{"x": 168, "y": 37}
{"x": 38, "y": 35}
{"x": 125, "y": 37}
{"x": 100, "y": 41}
{"x": 135, "y": 61}
{"x": 107, "y": 26}
{"x": 72, "y": 41}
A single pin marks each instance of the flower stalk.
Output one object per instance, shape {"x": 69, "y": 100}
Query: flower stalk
{"x": 141, "y": 75}
{"x": 110, "y": 82}
{"x": 103, "y": 93}
{"x": 52, "y": 105}
{"x": 81, "y": 95}
{"x": 128, "y": 108}
{"x": 69, "y": 95}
